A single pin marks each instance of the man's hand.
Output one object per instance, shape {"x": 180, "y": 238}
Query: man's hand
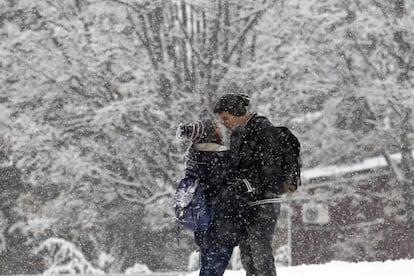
{"x": 289, "y": 188}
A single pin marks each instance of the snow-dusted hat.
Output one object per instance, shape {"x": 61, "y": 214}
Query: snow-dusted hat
{"x": 199, "y": 131}
{"x": 234, "y": 104}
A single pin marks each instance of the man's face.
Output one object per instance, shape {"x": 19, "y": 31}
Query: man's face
{"x": 228, "y": 120}
{"x": 218, "y": 133}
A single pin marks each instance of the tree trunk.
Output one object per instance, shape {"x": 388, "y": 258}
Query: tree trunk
{"x": 407, "y": 166}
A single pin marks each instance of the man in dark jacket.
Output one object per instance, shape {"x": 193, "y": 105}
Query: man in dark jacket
{"x": 258, "y": 174}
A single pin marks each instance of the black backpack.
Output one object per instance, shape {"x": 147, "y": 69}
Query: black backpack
{"x": 289, "y": 145}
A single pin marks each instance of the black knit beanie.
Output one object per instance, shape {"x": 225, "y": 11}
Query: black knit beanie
{"x": 234, "y": 104}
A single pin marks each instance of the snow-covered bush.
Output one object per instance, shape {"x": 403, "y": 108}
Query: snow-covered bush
{"x": 282, "y": 256}
{"x": 105, "y": 260}
{"x": 63, "y": 257}
{"x": 138, "y": 269}
{"x": 193, "y": 261}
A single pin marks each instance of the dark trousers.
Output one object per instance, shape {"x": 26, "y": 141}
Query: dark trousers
{"x": 256, "y": 250}
{"x": 214, "y": 262}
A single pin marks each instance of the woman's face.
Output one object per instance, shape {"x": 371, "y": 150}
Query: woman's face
{"x": 229, "y": 121}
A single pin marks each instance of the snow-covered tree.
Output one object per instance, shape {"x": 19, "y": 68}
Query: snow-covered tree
{"x": 80, "y": 130}
{"x": 380, "y": 45}
{"x": 192, "y": 44}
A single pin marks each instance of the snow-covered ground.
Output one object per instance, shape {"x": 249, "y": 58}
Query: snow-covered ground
{"x": 387, "y": 268}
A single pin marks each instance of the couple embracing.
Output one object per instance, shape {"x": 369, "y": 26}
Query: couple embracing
{"x": 243, "y": 184}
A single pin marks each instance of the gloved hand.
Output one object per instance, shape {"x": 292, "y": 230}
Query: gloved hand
{"x": 289, "y": 188}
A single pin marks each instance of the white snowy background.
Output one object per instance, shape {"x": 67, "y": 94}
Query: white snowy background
{"x": 91, "y": 93}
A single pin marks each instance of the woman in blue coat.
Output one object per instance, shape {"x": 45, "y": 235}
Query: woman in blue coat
{"x": 210, "y": 160}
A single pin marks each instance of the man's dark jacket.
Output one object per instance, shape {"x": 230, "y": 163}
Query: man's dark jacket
{"x": 262, "y": 155}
